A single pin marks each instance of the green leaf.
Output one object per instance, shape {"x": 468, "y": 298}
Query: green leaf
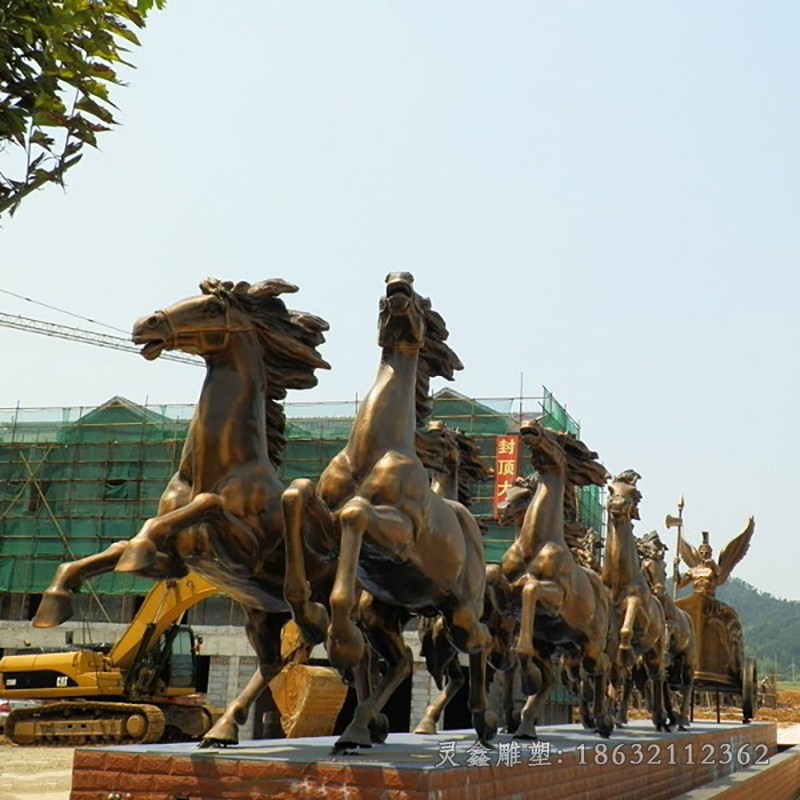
{"x": 48, "y": 52}
{"x": 42, "y": 139}
{"x": 124, "y": 32}
{"x": 96, "y": 110}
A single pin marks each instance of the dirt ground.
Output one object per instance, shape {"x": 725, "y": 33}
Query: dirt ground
{"x": 45, "y": 773}
{"x": 35, "y": 773}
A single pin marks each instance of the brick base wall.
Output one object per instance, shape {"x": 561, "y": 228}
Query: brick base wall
{"x": 648, "y": 765}
{"x": 778, "y": 780}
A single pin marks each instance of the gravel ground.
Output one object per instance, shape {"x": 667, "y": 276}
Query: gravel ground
{"x": 35, "y": 773}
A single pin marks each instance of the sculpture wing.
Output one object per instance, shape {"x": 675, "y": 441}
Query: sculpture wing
{"x": 735, "y": 550}
{"x": 688, "y": 554}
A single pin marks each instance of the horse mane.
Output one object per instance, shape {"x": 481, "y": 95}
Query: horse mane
{"x": 436, "y": 360}
{"x": 289, "y": 341}
{"x": 471, "y": 467}
{"x": 528, "y": 485}
{"x": 435, "y": 443}
{"x": 651, "y": 546}
{"x": 583, "y": 468}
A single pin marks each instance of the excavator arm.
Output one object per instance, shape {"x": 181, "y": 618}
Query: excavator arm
{"x": 163, "y": 606}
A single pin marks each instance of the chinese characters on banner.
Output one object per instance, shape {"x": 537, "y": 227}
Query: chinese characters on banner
{"x": 506, "y": 460}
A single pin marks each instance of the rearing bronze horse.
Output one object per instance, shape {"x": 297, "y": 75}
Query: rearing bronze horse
{"x": 682, "y": 649}
{"x": 456, "y": 464}
{"x": 563, "y": 608}
{"x": 413, "y": 551}
{"x": 643, "y": 633}
{"x": 220, "y": 514}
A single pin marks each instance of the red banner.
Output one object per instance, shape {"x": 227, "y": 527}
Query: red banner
{"x": 506, "y": 460}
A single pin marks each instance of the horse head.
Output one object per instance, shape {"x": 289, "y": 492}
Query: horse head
{"x": 511, "y": 510}
{"x": 203, "y": 324}
{"x": 624, "y": 497}
{"x": 402, "y": 314}
{"x": 651, "y": 553}
{"x": 547, "y": 452}
{"x": 227, "y": 319}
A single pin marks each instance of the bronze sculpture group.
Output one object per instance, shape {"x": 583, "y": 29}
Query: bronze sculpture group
{"x": 376, "y": 541}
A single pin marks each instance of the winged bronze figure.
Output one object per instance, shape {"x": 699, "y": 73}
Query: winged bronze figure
{"x": 706, "y": 574}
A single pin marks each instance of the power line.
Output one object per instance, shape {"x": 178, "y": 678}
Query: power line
{"x": 86, "y": 337}
{"x": 61, "y": 310}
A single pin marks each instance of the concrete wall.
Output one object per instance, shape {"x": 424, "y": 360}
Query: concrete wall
{"x": 233, "y": 662}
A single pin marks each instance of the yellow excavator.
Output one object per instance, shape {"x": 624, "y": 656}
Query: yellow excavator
{"x": 140, "y": 689}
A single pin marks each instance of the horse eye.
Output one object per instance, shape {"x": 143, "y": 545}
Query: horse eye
{"x": 214, "y": 307}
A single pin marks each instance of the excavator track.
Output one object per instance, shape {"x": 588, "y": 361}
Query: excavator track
{"x": 85, "y": 722}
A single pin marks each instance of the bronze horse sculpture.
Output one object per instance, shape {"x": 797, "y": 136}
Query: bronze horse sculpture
{"x": 643, "y": 637}
{"x": 221, "y": 513}
{"x": 455, "y": 462}
{"x": 562, "y": 607}
{"x": 682, "y": 650}
{"x": 413, "y": 551}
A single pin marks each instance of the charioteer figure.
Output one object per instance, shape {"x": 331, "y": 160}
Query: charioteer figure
{"x": 719, "y": 624}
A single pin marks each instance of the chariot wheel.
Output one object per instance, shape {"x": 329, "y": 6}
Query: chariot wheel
{"x": 749, "y": 689}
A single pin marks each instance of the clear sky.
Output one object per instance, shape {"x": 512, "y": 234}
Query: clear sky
{"x": 600, "y": 197}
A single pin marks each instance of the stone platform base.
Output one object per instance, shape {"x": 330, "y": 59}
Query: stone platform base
{"x": 566, "y": 764}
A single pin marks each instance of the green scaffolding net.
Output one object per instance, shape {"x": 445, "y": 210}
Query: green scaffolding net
{"x": 75, "y": 480}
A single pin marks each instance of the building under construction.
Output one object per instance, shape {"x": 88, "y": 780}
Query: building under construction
{"x": 75, "y": 480}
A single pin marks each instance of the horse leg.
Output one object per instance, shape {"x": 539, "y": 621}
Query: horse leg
{"x": 471, "y": 636}
{"x": 142, "y": 550}
{"x": 596, "y": 670}
{"x": 538, "y": 682}
{"x": 687, "y": 688}
{"x": 627, "y": 690}
{"x": 453, "y": 683}
{"x": 669, "y": 709}
{"x": 56, "y": 604}
{"x": 655, "y": 674}
{"x": 264, "y": 633}
{"x": 511, "y": 717}
{"x": 580, "y": 687}
{"x": 364, "y": 676}
{"x": 299, "y": 501}
{"x": 625, "y": 653}
{"x": 533, "y": 591}
{"x": 393, "y": 530}
{"x": 225, "y": 730}
{"x": 384, "y": 624}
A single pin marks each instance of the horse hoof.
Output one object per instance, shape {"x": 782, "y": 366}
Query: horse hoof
{"x": 207, "y": 742}
{"x": 354, "y": 736}
{"x": 222, "y": 734}
{"x": 426, "y": 727}
{"x": 345, "y": 648}
{"x": 379, "y": 729}
{"x": 138, "y": 555}
{"x": 605, "y": 726}
{"x": 486, "y": 724}
{"x": 55, "y": 608}
{"x": 512, "y": 723}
